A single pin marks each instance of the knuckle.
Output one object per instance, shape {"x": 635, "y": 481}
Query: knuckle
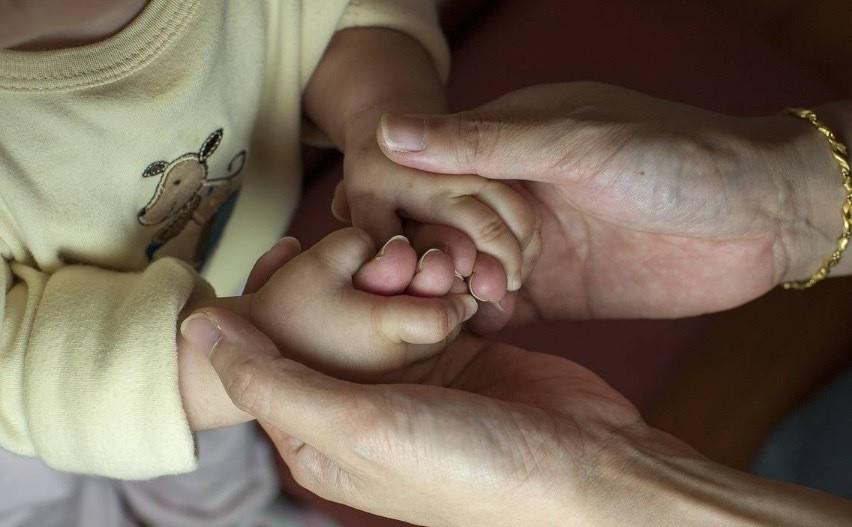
{"x": 529, "y": 227}
{"x": 360, "y": 238}
{"x": 441, "y": 325}
{"x": 382, "y": 323}
{"x": 243, "y": 386}
{"x": 478, "y": 137}
{"x": 334, "y": 251}
{"x": 525, "y": 217}
{"x": 491, "y": 228}
{"x": 324, "y": 262}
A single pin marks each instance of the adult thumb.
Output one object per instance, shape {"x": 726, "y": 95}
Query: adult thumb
{"x": 475, "y": 142}
{"x": 300, "y": 401}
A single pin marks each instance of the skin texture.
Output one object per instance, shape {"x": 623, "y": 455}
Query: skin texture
{"x": 649, "y": 208}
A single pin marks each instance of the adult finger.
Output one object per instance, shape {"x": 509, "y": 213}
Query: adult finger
{"x": 391, "y": 271}
{"x": 475, "y": 142}
{"x": 275, "y": 258}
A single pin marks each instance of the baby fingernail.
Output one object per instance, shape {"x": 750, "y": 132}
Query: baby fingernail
{"x": 471, "y": 306}
{"x": 472, "y": 288}
{"x": 198, "y": 329}
{"x": 397, "y": 238}
{"x": 289, "y": 240}
{"x": 402, "y": 133}
{"x": 515, "y": 282}
{"x": 425, "y": 255}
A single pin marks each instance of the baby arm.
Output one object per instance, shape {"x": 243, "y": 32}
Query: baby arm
{"x": 367, "y": 73}
{"x": 88, "y": 377}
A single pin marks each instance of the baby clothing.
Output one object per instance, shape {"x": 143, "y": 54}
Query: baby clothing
{"x": 126, "y": 167}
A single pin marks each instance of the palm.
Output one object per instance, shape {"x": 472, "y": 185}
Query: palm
{"x": 486, "y": 405}
{"x": 513, "y": 375}
{"x": 595, "y": 264}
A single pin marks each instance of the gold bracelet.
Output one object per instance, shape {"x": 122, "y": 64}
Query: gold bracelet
{"x": 841, "y": 155}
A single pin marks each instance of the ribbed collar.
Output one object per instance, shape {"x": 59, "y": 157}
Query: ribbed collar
{"x": 135, "y": 46}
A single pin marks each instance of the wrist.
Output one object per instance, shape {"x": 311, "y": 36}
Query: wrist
{"x": 808, "y": 177}
{"x": 633, "y": 479}
{"x": 651, "y": 478}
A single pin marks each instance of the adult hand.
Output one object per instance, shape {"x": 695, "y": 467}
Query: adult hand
{"x": 495, "y": 436}
{"x": 650, "y": 208}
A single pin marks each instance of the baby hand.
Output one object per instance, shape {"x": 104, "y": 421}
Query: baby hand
{"x": 377, "y": 193}
{"x": 313, "y": 311}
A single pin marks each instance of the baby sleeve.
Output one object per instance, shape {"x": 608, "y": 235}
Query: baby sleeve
{"x": 88, "y": 368}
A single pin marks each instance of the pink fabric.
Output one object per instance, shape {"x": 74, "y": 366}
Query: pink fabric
{"x": 678, "y": 49}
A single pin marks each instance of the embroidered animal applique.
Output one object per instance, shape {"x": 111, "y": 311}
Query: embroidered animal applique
{"x": 186, "y": 193}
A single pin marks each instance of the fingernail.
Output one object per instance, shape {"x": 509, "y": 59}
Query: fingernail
{"x": 198, "y": 329}
{"x": 515, "y": 282}
{"x": 287, "y": 240}
{"x": 397, "y": 238}
{"x": 472, "y": 289}
{"x": 471, "y": 306}
{"x": 402, "y": 133}
{"x": 499, "y": 307}
{"x": 423, "y": 258}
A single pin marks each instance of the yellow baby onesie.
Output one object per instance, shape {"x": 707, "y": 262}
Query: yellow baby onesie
{"x": 119, "y": 163}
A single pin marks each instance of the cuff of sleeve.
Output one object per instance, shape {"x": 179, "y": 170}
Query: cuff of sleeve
{"x": 101, "y": 373}
{"x": 416, "y": 18}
